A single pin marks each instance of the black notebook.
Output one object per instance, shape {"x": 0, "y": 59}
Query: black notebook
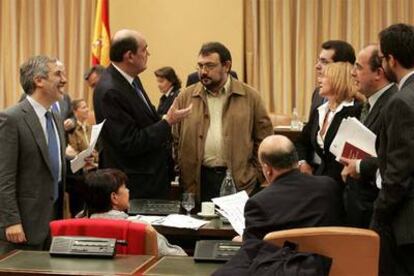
{"x": 215, "y": 250}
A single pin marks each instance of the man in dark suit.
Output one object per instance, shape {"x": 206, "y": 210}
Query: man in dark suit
{"x": 194, "y": 77}
{"x": 134, "y": 138}
{"x": 361, "y": 189}
{"x": 332, "y": 51}
{"x": 32, "y": 163}
{"x": 292, "y": 199}
{"x": 394, "y": 207}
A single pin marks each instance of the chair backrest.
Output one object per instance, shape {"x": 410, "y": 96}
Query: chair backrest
{"x": 279, "y": 119}
{"x": 141, "y": 238}
{"x": 353, "y": 251}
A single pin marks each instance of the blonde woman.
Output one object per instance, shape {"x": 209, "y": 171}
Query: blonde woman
{"x": 336, "y": 85}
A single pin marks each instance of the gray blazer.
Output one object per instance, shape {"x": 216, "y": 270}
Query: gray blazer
{"x": 395, "y": 203}
{"x": 26, "y": 182}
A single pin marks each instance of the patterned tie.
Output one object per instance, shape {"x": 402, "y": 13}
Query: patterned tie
{"x": 53, "y": 153}
{"x": 140, "y": 94}
{"x": 364, "y": 112}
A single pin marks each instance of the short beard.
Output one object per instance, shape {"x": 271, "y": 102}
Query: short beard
{"x": 390, "y": 75}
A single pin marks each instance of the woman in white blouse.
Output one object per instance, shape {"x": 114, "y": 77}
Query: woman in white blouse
{"x": 342, "y": 101}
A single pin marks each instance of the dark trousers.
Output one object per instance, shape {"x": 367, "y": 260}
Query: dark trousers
{"x": 406, "y": 259}
{"x": 210, "y": 182}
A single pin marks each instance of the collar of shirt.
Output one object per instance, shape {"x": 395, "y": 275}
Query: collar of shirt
{"x": 38, "y": 108}
{"x": 224, "y": 90}
{"x": 125, "y": 75}
{"x": 404, "y": 79}
{"x": 324, "y": 108}
{"x": 374, "y": 98}
{"x": 169, "y": 92}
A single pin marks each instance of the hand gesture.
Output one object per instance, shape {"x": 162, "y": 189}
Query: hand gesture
{"x": 175, "y": 115}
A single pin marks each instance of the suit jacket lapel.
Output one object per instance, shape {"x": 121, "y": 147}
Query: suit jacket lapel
{"x": 375, "y": 112}
{"x": 153, "y": 113}
{"x": 131, "y": 93}
{"x": 34, "y": 125}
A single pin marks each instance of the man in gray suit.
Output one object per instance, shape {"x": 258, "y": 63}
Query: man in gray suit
{"x": 32, "y": 164}
{"x": 394, "y": 208}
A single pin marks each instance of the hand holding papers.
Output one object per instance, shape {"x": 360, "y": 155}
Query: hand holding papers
{"x": 79, "y": 161}
{"x": 232, "y": 207}
{"x": 353, "y": 140}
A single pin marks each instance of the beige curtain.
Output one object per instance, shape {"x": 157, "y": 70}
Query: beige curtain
{"x": 283, "y": 38}
{"x": 59, "y": 28}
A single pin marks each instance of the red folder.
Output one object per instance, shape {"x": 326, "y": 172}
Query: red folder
{"x": 352, "y": 152}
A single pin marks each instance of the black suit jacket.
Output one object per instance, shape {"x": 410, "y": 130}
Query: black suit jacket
{"x": 294, "y": 200}
{"x": 317, "y": 100}
{"x": 395, "y": 203}
{"x": 134, "y": 138}
{"x": 194, "y": 78}
{"x": 307, "y": 142}
{"x": 166, "y": 102}
{"x": 361, "y": 193}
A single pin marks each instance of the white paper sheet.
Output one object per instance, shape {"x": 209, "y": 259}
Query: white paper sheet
{"x": 78, "y": 162}
{"x": 173, "y": 220}
{"x": 232, "y": 207}
{"x": 354, "y": 132}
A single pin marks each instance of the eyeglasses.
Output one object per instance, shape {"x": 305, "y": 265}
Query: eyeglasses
{"x": 206, "y": 66}
{"x": 323, "y": 61}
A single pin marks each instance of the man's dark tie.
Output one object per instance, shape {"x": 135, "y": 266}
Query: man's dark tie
{"x": 140, "y": 94}
{"x": 364, "y": 112}
{"x": 53, "y": 153}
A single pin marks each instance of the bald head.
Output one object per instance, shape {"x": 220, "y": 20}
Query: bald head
{"x": 123, "y": 41}
{"x": 278, "y": 152}
{"x": 129, "y": 51}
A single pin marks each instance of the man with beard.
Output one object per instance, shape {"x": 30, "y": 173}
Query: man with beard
{"x": 394, "y": 206}
{"x": 224, "y": 130}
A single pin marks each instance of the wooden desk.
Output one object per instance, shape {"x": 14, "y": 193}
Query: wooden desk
{"x": 40, "y": 262}
{"x": 181, "y": 266}
{"x": 292, "y": 134}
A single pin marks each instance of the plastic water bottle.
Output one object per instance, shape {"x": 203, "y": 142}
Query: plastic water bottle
{"x": 295, "y": 123}
{"x": 227, "y": 186}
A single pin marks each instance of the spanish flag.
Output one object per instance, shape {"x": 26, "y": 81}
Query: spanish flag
{"x": 101, "y": 37}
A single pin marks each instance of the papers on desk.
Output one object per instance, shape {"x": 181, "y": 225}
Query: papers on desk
{"x": 232, "y": 207}
{"x": 173, "y": 220}
{"x": 78, "y": 162}
{"x": 353, "y": 140}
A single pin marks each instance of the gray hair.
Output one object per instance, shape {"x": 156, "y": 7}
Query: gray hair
{"x": 35, "y": 67}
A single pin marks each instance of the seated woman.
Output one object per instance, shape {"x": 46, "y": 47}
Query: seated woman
{"x": 169, "y": 85}
{"x": 336, "y": 85}
{"x": 108, "y": 197}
